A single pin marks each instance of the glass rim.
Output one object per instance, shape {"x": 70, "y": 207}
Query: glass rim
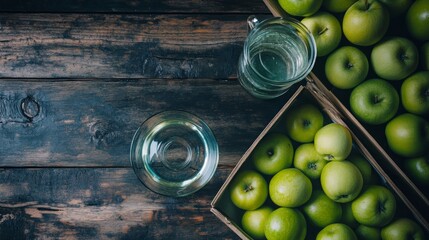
{"x": 166, "y": 187}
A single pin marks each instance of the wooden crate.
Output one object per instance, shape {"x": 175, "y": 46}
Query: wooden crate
{"x": 375, "y": 142}
{"x": 224, "y": 209}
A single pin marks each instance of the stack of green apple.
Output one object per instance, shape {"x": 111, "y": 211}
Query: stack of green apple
{"x": 308, "y": 181}
{"x": 375, "y": 56}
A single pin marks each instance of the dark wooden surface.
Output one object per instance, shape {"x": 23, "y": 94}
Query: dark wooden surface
{"x": 77, "y": 78}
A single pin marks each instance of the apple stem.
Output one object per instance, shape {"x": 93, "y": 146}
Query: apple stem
{"x": 341, "y": 197}
{"x": 248, "y": 188}
{"x": 376, "y": 99}
{"x": 366, "y": 5}
{"x": 306, "y": 123}
{"x": 381, "y": 208}
{"x": 323, "y": 31}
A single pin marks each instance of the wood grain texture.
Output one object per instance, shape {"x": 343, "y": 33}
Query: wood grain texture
{"x": 77, "y": 78}
{"x": 91, "y": 123}
{"x": 120, "y": 46}
{"x": 135, "y": 6}
{"x": 100, "y": 203}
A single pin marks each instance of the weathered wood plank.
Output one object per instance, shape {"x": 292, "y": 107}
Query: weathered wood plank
{"x": 91, "y": 123}
{"x": 135, "y": 6}
{"x": 120, "y": 46}
{"x": 100, "y": 203}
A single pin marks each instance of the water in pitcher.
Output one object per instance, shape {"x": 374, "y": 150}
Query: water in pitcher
{"x": 277, "y": 53}
{"x": 278, "y": 56}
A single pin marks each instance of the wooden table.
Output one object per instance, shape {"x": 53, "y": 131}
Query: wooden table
{"x": 77, "y": 80}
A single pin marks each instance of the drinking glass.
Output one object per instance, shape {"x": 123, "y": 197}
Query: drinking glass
{"x": 174, "y": 153}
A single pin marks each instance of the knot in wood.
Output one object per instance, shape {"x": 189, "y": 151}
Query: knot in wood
{"x": 104, "y": 133}
{"x": 30, "y": 108}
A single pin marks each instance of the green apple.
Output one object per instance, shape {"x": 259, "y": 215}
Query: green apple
{"x": 395, "y": 58}
{"x": 424, "y": 56}
{"x": 302, "y": 122}
{"x": 248, "y": 190}
{"x": 290, "y": 188}
{"x": 336, "y": 231}
{"x": 333, "y": 141}
{"x": 341, "y": 181}
{"x": 337, "y": 6}
{"x": 396, "y": 7}
{"x": 408, "y": 135}
{"x": 300, "y": 8}
{"x": 286, "y": 223}
{"x": 364, "y": 167}
{"x": 347, "y": 216}
{"x": 273, "y": 153}
{"x": 402, "y": 228}
{"x": 326, "y": 30}
{"x": 375, "y": 101}
{"x": 365, "y": 22}
{"x": 253, "y": 221}
{"x": 346, "y": 67}
{"x": 368, "y": 233}
{"x": 418, "y": 169}
{"x": 309, "y": 161}
{"x": 321, "y": 211}
{"x": 375, "y": 207}
{"x": 417, "y": 20}
{"x": 415, "y": 93}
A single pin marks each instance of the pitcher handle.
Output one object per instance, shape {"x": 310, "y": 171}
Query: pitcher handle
{"x": 252, "y": 21}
